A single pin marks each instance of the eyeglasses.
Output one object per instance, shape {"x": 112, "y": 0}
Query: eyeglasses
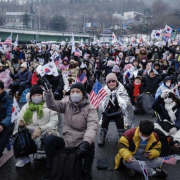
{"x": 112, "y": 81}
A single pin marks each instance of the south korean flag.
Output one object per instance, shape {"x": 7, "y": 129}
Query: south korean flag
{"x": 15, "y": 111}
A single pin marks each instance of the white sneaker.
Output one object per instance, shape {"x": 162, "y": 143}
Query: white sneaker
{"x": 22, "y": 161}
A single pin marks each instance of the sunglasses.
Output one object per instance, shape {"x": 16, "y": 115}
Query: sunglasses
{"x": 112, "y": 81}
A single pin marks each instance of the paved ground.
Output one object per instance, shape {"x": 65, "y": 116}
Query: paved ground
{"x": 35, "y": 170}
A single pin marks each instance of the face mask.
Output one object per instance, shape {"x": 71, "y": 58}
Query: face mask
{"x": 37, "y": 100}
{"x": 126, "y": 61}
{"x": 168, "y": 100}
{"x": 168, "y": 84}
{"x": 106, "y": 57}
{"x": 143, "y": 61}
{"x": 143, "y": 138}
{"x": 76, "y": 98}
{"x": 97, "y": 60}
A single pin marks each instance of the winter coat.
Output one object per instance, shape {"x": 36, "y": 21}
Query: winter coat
{"x": 48, "y": 121}
{"x": 162, "y": 87}
{"x": 5, "y": 114}
{"x": 56, "y": 82}
{"x": 74, "y": 73}
{"x": 151, "y": 84}
{"x": 87, "y": 51}
{"x": 164, "y": 120}
{"x": 80, "y": 121}
{"x": 129, "y": 144}
{"x": 24, "y": 77}
{"x": 123, "y": 101}
{"x": 34, "y": 79}
{"x": 5, "y": 78}
{"x": 102, "y": 54}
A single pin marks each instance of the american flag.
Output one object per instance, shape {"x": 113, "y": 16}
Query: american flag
{"x": 97, "y": 94}
{"x": 86, "y": 55}
{"x": 82, "y": 78}
{"x": 8, "y": 40}
{"x": 169, "y": 160}
{"x": 77, "y": 53}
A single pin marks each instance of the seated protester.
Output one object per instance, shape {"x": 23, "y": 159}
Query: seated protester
{"x": 35, "y": 77}
{"x": 4, "y": 76}
{"x": 115, "y": 106}
{"x": 167, "y": 105}
{"x": 142, "y": 54}
{"x": 142, "y": 144}
{"x": 151, "y": 81}
{"x": 135, "y": 89}
{"x": 118, "y": 73}
{"x": 57, "y": 85}
{"x": 165, "y": 66}
{"x": 157, "y": 67}
{"x": 124, "y": 64}
{"x": 6, "y": 127}
{"x": 6, "y": 63}
{"x": 97, "y": 66}
{"x": 167, "y": 84}
{"x": 23, "y": 80}
{"x": 65, "y": 64}
{"x": 73, "y": 72}
{"x": 15, "y": 64}
{"x": 144, "y": 62}
{"x": 89, "y": 67}
{"x": 36, "y": 117}
{"x": 79, "y": 129}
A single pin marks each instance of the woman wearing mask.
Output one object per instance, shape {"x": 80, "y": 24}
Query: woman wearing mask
{"x": 167, "y": 84}
{"x": 73, "y": 72}
{"x": 115, "y": 106}
{"x": 80, "y": 126}
{"x": 165, "y": 66}
{"x": 37, "y": 118}
{"x": 144, "y": 62}
{"x": 167, "y": 105}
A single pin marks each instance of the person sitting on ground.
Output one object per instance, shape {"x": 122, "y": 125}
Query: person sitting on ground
{"x": 6, "y": 127}
{"x": 118, "y": 73}
{"x": 115, "y": 106}
{"x": 79, "y": 129}
{"x": 141, "y": 144}
{"x": 23, "y": 81}
{"x": 38, "y": 118}
{"x": 4, "y": 76}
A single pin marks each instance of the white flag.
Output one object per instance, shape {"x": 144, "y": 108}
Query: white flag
{"x": 114, "y": 38}
{"x": 73, "y": 44}
{"x": 144, "y": 169}
{"x": 54, "y": 55}
{"x": 15, "y": 111}
{"x": 16, "y": 42}
{"x": 49, "y": 68}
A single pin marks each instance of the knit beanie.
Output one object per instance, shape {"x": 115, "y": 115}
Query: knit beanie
{"x": 36, "y": 89}
{"x": 110, "y": 77}
{"x": 80, "y": 86}
{"x": 24, "y": 65}
{"x": 116, "y": 69}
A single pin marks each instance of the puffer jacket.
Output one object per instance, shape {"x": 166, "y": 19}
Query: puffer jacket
{"x": 74, "y": 73}
{"x": 48, "y": 121}
{"x": 5, "y": 78}
{"x": 124, "y": 103}
{"x": 24, "y": 77}
{"x": 80, "y": 121}
{"x": 129, "y": 144}
{"x": 5, "y": 114}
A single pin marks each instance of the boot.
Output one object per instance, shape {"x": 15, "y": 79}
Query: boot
{"x": 102, "y": 137}
{"x": 120, "y": 133}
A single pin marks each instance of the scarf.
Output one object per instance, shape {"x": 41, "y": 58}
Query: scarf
{"x": 169, "y": 108}
{"x": 136, "y": 91}
{"x": 28, "y": 115}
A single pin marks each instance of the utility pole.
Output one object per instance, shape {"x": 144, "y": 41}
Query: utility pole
{"x": 103, "y": 33}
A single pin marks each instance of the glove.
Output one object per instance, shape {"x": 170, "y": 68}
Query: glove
{"x": 173, "y": 131}
{"x": 44, "y": 82}
{"x": 83, "y": 149}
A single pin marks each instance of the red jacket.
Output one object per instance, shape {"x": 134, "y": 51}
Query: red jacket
{"x": 34, "y": 79}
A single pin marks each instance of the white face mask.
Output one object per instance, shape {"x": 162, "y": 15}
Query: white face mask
{"x": 168, "y": 100}
{"x": 143, "y": 61}
{"x": 143, "y": 138}
{"x": 168, "y": 84}
{"x": 37, "y": 100}
{"x": 126, "y": 61}
{"x": 76, "y": 98}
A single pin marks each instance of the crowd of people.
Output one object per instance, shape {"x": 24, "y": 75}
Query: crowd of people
{"x": 142, "y": 79}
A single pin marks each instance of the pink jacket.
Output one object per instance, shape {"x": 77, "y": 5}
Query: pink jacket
{"x": 4, "y": 77}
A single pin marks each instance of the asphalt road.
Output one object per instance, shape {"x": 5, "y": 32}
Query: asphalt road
{"x": 35, "y": 169}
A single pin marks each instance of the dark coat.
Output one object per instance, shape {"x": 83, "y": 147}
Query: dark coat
{"x": 23, "y": 77}
{"x": 5, "y": 114}
{"x": 159, "y": 107}
{"x": 151, "y": 84}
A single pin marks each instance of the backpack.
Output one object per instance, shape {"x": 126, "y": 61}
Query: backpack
{"x": 145, "y": 101}
{"x": 66, "y": 165}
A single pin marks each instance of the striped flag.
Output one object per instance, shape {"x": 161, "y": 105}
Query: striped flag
{"x": 97, "y": 94}
{"x": 169, "y": 160}
{"x": 82, "y": 78}
{"x": 8, "y": 40}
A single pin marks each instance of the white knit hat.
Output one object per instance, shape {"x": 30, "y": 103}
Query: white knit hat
{"x": 24, "y": 65}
